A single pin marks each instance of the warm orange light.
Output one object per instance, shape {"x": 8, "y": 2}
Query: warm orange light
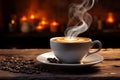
{"x": 24, "y": 18}
{"x": 32, "y": 17}
{"x": 110, "y": 18}
{"x": 54, "y": 23}
{"x": 12, "y": 21}
{"x": 43, "y": 22}
{"x": 54, "y": 26}
{"x": 39, "y": 27}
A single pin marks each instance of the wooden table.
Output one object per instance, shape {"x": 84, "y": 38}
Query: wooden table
{"x": 109, "y": 69}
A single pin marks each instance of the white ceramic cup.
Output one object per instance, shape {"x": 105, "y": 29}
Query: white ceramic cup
{"x": 73, "y": 51}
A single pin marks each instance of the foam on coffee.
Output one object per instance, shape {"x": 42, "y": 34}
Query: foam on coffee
{"x": 77, "y": 39}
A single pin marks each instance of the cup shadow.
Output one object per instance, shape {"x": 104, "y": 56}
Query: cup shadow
{"x": 71, "y": 70}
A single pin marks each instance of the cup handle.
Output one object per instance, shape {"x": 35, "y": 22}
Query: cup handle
{"x": 99, "y": 48}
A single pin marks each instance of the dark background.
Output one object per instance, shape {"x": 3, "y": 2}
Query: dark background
{"x": 109, "y": 34}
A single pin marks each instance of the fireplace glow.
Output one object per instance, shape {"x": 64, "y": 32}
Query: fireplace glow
{"x": 12, "y": 25}
{"x": 32, "y": 16}
{"x": 44, "y": 22}
{"x": 12, "y": 21}
{"x": 54, "y": 26}
{"x": 24, "y": 18}
{"x": 40, "y": 23}
{"x": 110, "y": 18}
{"x": 39, "y": 28}
{"x": 54, "y": 23}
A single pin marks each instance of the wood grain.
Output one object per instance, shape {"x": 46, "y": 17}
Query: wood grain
{"x": 109, "y": 69}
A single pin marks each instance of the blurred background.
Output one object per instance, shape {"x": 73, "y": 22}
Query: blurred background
{"x": 31, "y": 23}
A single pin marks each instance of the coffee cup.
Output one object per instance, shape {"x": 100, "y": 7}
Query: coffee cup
{"x": 73, "y": 50}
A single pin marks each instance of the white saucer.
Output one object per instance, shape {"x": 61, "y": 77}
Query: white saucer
{"x": 88, "y": 61}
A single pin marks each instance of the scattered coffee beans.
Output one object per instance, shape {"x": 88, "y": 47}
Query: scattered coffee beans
{"x": 19, "y": 64}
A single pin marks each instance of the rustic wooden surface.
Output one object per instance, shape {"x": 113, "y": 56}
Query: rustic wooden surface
{"x": 109, "y": 69}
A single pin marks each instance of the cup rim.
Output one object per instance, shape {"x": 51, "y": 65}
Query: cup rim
{"x": 90, "y": 40}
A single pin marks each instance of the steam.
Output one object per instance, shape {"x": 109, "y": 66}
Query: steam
{"x": 79, "y": 19}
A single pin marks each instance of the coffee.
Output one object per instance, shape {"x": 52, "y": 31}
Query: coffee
{"x": 72, "y": 50}
{"x": 77, "y": 39}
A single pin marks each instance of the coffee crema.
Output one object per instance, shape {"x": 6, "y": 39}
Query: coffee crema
{"x": 77, "y": 39}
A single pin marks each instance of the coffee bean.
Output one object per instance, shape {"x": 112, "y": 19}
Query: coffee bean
{"x": 15, "y": 71}
{"x": 53, "y": 60}
{"x": 20, "y": 64}
{"x": 37, "y": 72}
